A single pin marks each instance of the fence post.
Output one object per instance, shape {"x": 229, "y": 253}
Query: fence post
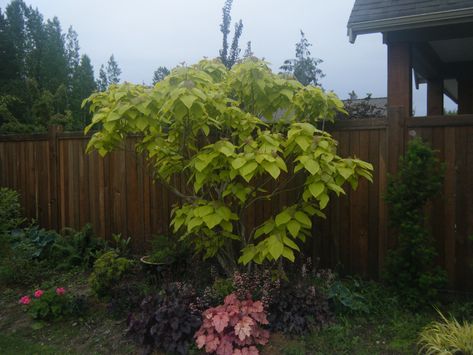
{"x": 53, "y": 132}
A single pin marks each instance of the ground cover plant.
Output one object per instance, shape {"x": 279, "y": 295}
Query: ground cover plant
{"x": 447, "y": 337}
{"x": 229, "y": 133}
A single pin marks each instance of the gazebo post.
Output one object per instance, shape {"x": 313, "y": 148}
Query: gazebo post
{"x": 465, "y": 96}
{"x": 399, "y": 99}
{"x": 435, "y": 97}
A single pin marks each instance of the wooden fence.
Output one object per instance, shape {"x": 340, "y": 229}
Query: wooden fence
{"x": 61, "y": 186}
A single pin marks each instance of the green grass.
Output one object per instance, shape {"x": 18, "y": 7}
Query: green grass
{"x": 18, "y": 345}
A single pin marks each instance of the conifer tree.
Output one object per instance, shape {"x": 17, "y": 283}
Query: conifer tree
{"x": 229, "y": 55}
{"x": 304, "y": 67}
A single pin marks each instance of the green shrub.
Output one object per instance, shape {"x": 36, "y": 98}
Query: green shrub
{"x": 77, "y": 248}
{"x": 109, "y": 269}
{"x": 446, "y": 337}
{"x": 10, "y": 215}
{"x": 18, "y": 268}
{"x": 410, "y": 267}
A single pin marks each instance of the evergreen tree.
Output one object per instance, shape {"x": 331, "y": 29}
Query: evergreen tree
{"x": 8, "y": 69}
{"x": 54, "y": 64}
{"x": 248, "y": 51}
{"x": 72, "y": 51}
{"x": 83, "y": 85}
{"x": 304, "y": 67}
{"x": 160, "y": 74}
{"x": 102, "y": 81}
{"x": 229, "y": 57}
{"x": 108, "y": 75}
{"x": 113, "y": 71}
{"x": 42, "y": 76}
{"x": 15, "y": 28}
{"x": 35, "y": 45}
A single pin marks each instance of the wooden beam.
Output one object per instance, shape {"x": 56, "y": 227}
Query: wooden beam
{"x": 435, "y": 97}
{"x": 426, "y": 34}
{"x": 458, "y": 70}
{"x": 426, "y": 62}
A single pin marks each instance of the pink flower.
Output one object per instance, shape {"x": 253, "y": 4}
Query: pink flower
{"x": 38, "y": 293}
{"x": 60, "y": 291}
{"x": 25, "y": 300}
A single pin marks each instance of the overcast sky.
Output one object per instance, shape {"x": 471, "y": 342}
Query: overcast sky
{"x": 145, "y": 34}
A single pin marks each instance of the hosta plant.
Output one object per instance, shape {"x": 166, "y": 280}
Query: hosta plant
{"x": 233, "y": 328}
{"x": 235, "y": 137}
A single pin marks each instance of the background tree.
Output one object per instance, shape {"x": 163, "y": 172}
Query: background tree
{"x": 83, "y": 85}
{"x": 72, "y": 51}
{"x": 102, "y": 81}
{"x": 113, "y": 71}
{"x": 248, "y": 51}
{"x": 304, "y": 67}
{"x": 160, "y": 74}
{"x": 229, "y": 54}
{"x": 109, "y": 74}
{"x": 38, "y": 71}
{"x": 362, "y": 108}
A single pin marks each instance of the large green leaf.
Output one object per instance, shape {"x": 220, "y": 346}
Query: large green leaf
{"x": 316, "y": 188}
{"x": 293, "y": 227}
{"x": 302, "y": 218}
{"x": 275, "y": 246}
{"x": 212, "y": 220}
{"x": 282, "y": 218}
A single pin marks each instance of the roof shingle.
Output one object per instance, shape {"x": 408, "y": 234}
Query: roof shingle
{"x": 371, "y": 10}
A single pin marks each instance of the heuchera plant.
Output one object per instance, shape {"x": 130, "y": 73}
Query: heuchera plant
{"x": 233, "y": 328}
{"x": 166, "y": 321}
{"x": 234, "y": 137}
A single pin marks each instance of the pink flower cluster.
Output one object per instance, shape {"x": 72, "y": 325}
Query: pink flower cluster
{"x": 38, "y": 293}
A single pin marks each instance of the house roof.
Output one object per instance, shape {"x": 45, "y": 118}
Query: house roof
{"x": 370, "y": 16}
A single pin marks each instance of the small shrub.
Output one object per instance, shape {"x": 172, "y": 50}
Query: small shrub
{"x": 19, "y": 264}
{"x": 410, "y": 267}
{"x": 77, "y": 248}
{"x": 52, "y": 304}
{"x": 108, "y": 271}
{"x": 446, "y": 337}
{"x": 298, "y": 308}
{"x": 166, "y": 321}
{"x": 233, "y": 328}
{"x": 10, "y": 216}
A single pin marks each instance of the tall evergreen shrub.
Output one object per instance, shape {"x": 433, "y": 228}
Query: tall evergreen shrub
{"x": 410, "y": 267}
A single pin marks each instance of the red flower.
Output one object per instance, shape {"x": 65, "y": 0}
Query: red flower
{"x": 60, "y": 291}
{"x": 25, "y": 300}
{"x": 38, "y": 293}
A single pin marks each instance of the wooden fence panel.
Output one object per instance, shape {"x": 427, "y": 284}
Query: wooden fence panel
{"x": 61, "y": 186}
